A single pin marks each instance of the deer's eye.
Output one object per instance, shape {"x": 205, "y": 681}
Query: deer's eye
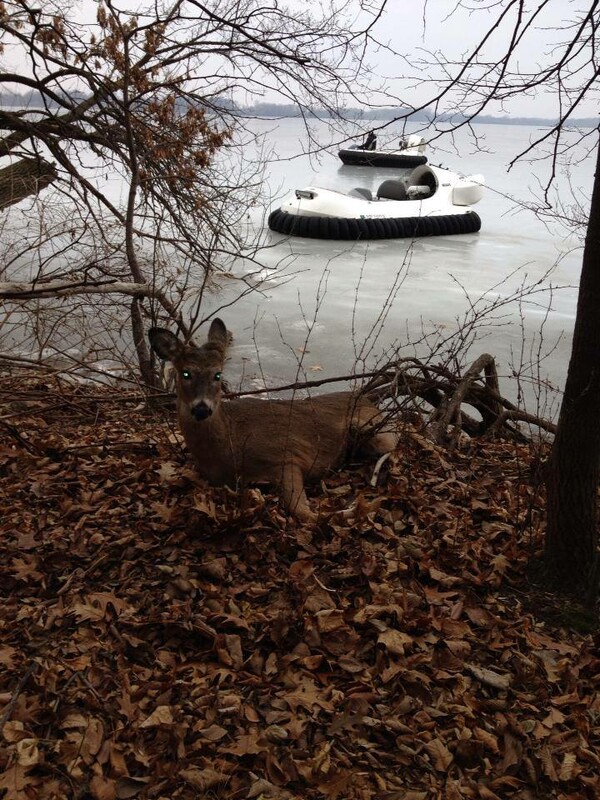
{"x": 186, "y": 374}
{"x": 217, "y": 376}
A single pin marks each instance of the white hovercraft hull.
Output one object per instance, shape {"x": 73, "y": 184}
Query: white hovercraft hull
{"x": 430, "y": 201}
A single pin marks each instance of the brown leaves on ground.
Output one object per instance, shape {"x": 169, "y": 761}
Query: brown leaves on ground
{"x": 161, "y": 639}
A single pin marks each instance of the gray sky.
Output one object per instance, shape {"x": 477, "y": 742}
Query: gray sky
{"x": 414, "y": 27}
{"x": 450, "y": 27}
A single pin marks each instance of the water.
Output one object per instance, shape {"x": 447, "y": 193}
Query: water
{"x": 330, "y": 304}
{"x": 324, "y": 308}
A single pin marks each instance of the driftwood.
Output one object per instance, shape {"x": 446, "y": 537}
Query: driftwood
{"x": 21, "y": 291}
{"x": 25, "y": 177}
{"x": 402, "y": 385}
{"x": 447, "y": 393}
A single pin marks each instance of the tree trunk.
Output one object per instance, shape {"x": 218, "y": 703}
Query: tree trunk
{"x": 23, "y": 178}
{"x": 571, "y": 550}
{"x": 149, "y": 377}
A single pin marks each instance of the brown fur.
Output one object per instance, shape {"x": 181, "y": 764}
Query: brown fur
{"x": 283, "y": 442}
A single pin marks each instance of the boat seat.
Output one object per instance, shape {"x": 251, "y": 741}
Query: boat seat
{"x": 360, "y": 192}
{"x": 392, "y": 189}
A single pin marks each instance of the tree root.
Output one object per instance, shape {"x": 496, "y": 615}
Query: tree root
{"x": 447, "y": 393}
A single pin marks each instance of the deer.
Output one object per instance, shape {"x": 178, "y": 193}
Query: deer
{"x": 251, "y": 441}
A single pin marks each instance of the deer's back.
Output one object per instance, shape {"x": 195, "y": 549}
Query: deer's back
{"x": 252, "y": 440}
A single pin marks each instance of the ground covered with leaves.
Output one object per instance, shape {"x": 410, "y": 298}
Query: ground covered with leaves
{"x": 162, "y": 639}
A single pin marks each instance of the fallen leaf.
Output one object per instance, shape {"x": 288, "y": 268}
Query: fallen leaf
{"x": 203, "y": 779}
{"x": 489, "y": 677}
{"x": 213, "y": 733}
{"x": 394, "y": 641}
{"x": 440, "y": 755}
{"x": 161, "y": 715}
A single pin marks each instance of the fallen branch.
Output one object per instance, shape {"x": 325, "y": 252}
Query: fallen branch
{"x": 18, "y": 292}
{"x": 448, "y": 412}
{"x": 23, "y": 178}
{"x": 33, "y": 667}
{"x": 31, "y": 448}
{"x": 21, "y": 292}
{"x": 445, "y": 392}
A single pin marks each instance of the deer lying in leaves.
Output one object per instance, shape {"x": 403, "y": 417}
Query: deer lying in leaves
{"x": 283, "y": 442}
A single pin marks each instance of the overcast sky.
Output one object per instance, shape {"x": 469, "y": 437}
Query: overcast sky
{"x": 413, "y": 28}
{"x": 453, "y": 29}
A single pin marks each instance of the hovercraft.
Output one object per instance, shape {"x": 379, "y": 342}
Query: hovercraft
{"x": 430, "y": 201}
{"x": 410, "y": 154}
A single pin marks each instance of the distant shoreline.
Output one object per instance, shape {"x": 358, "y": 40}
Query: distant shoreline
{"x": 274, "y": 111}
{"x": 32, "y": 101}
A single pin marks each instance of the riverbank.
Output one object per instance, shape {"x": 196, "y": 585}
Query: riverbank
{"x": 162, "y": 638}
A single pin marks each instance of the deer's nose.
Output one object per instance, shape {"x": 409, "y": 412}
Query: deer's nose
{"x": 201, "y": 411}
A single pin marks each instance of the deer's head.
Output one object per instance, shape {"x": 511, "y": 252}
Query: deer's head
{"x": 197, "y": 369}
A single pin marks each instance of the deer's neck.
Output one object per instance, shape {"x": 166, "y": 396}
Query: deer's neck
{"x": 210, "y": 443}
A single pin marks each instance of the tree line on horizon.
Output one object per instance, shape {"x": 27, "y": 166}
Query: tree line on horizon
{"x": 34, "y": 98}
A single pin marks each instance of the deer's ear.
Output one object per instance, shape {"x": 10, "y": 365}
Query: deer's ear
{"x": 218, "y": 332}
{"x": 164, "y": 343}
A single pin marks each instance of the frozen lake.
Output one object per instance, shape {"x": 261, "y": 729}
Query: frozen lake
{"x": 328, "y": 304}
{"x": 320, "y": 309}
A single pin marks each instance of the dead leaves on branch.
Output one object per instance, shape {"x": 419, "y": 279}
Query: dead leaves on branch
{"x": 164, "y": 639}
